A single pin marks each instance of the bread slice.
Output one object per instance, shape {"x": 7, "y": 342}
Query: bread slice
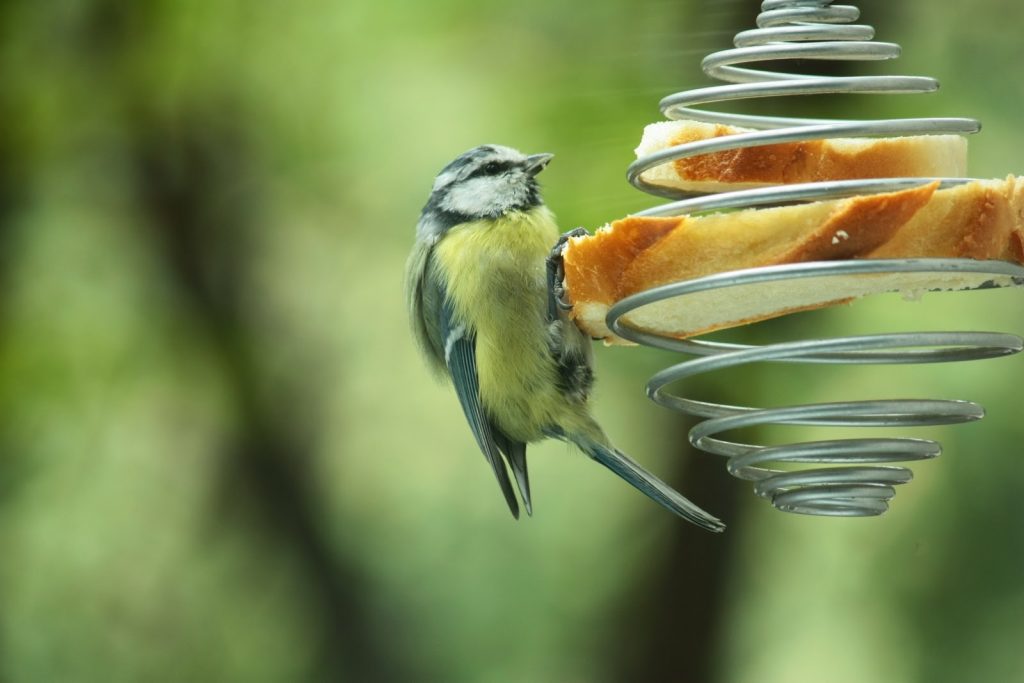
{"x": 928, "y": 156}
{"x": 979, "y": 220}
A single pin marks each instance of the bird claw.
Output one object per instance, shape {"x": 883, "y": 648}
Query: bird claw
{"x": 556, "y": 275}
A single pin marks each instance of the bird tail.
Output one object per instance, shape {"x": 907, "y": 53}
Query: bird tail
{"x": 597, "y": 447}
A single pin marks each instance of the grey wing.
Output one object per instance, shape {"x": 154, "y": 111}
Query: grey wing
{"x": 457, "y": 343}
{"x": 424, "y": 304}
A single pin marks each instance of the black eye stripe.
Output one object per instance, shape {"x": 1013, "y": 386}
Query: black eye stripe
{"x": 491, "y": 168}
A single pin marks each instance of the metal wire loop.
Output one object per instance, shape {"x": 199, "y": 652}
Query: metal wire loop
{"x": 860, "y": 480}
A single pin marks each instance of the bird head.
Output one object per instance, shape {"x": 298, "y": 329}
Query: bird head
{"x": 487, "y": 182}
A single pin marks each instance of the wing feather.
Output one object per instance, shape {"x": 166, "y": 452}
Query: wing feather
{"x": 460, "y": 358}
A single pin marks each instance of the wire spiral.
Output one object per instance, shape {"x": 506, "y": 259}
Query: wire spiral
{"x": 862, "y": 478}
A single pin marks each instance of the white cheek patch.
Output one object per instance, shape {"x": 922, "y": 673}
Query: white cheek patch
{"x": 486, "y": 195}
{"x": 471, "y": 197}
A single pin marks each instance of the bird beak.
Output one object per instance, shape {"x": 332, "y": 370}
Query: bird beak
{"x": 535, "y": 163}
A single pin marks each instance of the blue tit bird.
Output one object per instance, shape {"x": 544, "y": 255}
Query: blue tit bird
{"x": 484, "y": 314}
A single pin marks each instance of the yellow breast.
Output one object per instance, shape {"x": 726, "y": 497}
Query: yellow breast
{"x": 496, "y": 277}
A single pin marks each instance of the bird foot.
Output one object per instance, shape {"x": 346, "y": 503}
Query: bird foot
{"x": 556, "y": 276}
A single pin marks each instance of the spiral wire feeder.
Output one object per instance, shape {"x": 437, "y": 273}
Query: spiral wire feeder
{"x": 860, "y": 476}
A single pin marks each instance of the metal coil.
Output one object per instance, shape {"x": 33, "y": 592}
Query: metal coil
{"x": 862, "y": 477}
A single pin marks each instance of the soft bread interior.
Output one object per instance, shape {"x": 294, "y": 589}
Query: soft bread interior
{"x": 703, "y": 312}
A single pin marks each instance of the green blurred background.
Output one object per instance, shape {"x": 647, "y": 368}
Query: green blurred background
{"x": 222, "y": 460}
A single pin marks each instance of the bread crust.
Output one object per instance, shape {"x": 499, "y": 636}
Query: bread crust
{"x": 796, "y": 162}
{"x": 979, "y": 220}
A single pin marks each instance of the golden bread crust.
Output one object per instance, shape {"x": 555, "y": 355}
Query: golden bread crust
{"x": 980, "y": 220}
{"x": 797, "y": 162}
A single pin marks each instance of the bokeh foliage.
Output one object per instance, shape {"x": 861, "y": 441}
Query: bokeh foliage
{"x": 221, "y": 459}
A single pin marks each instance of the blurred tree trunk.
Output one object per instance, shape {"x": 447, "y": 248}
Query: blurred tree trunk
{"x": 13, "y": 191}
{"x": 9, "y": 193}
{"x": 670, "y": 626}
{"x": 185, "y": 171}
{"x": 186, "y": 160}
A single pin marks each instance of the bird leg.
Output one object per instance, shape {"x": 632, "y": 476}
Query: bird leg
{"x": 556, "y": 276}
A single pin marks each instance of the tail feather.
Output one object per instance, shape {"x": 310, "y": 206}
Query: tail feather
{"x": 517, "y": 459}
{"x": 515, "y": 453}
{"x": 652, "y": 487}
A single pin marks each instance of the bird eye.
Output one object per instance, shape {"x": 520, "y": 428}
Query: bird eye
{"x": 492, "y": 168}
